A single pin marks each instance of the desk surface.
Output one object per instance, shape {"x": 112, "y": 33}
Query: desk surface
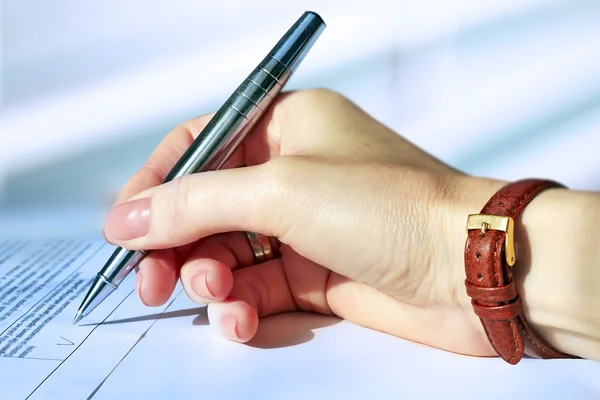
{"x": 300, "y": 356}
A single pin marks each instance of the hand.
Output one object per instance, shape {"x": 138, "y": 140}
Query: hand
{"x": 371, "y": 227}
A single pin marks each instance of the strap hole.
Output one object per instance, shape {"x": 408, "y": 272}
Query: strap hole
{"x": 478, "y": 255}
{"x": 501, "y": 203}
{"x": 480, "y": 277}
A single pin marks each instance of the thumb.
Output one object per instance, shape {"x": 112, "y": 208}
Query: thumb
{"x": 199, "y": 205}
{"x": 337, "y": 216}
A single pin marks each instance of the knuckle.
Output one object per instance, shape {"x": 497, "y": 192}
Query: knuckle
{"x": 322, "y": 94}
{"x": 277, "y": 173}
{"x": 303, "y": 108}
{"x": 176, "y": 200}
{"x": 250, "y": 288}
{"x": 275, "y": 178}
{"x": 286, "y": 177}
{"x": 287, "y": 183}
{"x": 309, "y": 100}
{"x": 325, "y": 98}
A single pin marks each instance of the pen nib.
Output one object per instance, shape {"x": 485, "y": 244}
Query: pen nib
{"x": 78, "y": 318}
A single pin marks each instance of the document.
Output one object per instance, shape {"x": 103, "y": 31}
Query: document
{"x": 42, "y": 283}
{"x": 124, "y": 350}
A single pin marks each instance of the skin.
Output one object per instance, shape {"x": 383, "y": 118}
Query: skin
{"x": 371, "y": 230}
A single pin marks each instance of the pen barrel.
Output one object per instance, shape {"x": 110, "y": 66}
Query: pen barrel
{"x": 120, "y": 264}
{"x": 214, "y": 145}
{"x": 233, "y": 121}
{"x": 221, "y": 137}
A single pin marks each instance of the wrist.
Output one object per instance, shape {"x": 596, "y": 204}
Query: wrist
{"x": 468, "y": 196}
{"x": 556, "y": 242}
{"x": 558, "y": 277}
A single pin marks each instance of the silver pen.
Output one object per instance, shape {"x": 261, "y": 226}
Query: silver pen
{"x": 220, "y": 138}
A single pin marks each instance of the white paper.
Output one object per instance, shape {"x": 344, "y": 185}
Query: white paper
{"x": 171, "y": 352}
{"x": 42, "y": 355}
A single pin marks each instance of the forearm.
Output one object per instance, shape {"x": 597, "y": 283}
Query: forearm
{"x": 558, "y": 262}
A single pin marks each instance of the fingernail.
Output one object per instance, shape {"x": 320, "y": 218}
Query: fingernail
{"x": 128, "y": 220}
{"x": 138, "y": 285}
{"x": 226, "y": 323}
{"x": 200, "y": 286}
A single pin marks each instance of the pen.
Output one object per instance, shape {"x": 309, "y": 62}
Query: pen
{"x": 220, "y": 138}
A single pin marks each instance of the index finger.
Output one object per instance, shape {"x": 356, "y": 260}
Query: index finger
{"x": 174, "y": 145}
{"x": 263, "y": 141}
{"x": 163, "y": 158}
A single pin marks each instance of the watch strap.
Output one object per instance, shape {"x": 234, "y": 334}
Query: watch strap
{"x": 489, "y": 257}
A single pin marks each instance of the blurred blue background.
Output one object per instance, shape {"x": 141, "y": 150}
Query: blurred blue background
{"x": 502, "y": 88}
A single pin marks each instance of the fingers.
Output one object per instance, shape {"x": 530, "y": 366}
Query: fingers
{"x": 257, "y": 291}
{"x": 164, "y": 157}
{"x": 239, "y": 293}
{"x": 205, "y": 270}
{"x": 245, "y": 296}
{"x": 221, "y": 272}
{"x": 207, "y": 274}
{"x": 158, "y": 272}
{"x": 156, "y": 278}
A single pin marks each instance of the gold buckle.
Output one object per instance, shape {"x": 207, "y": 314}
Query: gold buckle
{"x": 497, "y": 223}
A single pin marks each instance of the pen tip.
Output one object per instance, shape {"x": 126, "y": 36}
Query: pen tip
{"x": 78, "y": 318}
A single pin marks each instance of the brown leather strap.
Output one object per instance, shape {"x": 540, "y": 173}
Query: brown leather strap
{"x": 489, "y": 256}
